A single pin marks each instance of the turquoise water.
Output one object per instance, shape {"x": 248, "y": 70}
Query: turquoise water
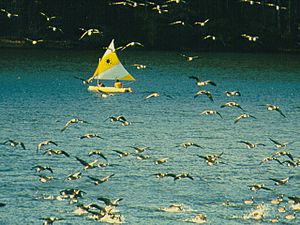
{"x": 38, "y": 95}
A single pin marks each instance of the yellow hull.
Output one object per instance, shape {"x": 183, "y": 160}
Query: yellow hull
{"x": 108, "y": 89}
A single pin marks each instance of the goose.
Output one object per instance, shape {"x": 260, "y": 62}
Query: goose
{"x": 232, "y": 93}
{"x": 102, "y": 180}
{"x": 121, "y": 154}
{"x": 45, "y": 179}
{"x": 278, "y": 144}
{"x": 14, "y": 143}
{"x": 211, "y": 112}
{"x": 204, "y": 92}
{"x": 271, "y": 107}
{"x": 72, "y": 121}
{"x": 110, "y": 202}
{"x": 39, "y": 168}
{"x": 96, "y": 152}
{"x": 202, "y": 83}
{"x": 251, "y": 145}
{"x": 288, "y": 154}
{"x": 161, "y": 161}
{"x": 50, "y": 220}
{"x": 74, "y": 176}
{"x": 189, "y": 144}
{"x": 243, "y": 116}
{"x": 87, "y": 165}
{"x": 281, "y": 181}
{"x": 162, "y": 175}
{"x": 256, "y": 187}
{"x": 183, "y": 175}
{"x": 43, "y": 143}
{"x": 89, "y": 136}
{"x": 56, "y": 152}
{"x": 232, "y": 104}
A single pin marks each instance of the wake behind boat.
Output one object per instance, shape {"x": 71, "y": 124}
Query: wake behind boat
{"x": 110, "y": 68}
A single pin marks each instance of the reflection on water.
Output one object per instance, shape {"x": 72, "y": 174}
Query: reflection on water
{"x": 39, "y": 95}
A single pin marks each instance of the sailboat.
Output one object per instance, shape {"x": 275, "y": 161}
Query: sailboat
{"x": 110, "y": 68}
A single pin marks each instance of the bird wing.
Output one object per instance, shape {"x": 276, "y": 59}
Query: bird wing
{"x": 212, "y": 83}
{"x": 92, "y": 178}
{"x": 65, "y": 153}
{"x": 281, "y": 113}
{"x": 275, "y": 142}
{"x": 82, "y": 161}
{"x": 195, "y": 78}
{"x": 237, "y": 119}
{"x": 82, "y": 36}
{"x": 105, "y": 200}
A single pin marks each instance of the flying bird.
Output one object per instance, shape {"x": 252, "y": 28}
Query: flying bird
{"x": 39, "y": 168}
{"x": 189, "y": 144}
{"x": 251, "y": 145}
{"x": 102, "y": 180}
{"x": 110, "y": 202}
{"x": 72, "y": 121}
{"x": 121, "y": 154}
{"x": 178, "y": 22}
{"x": 202, "y": 83}
{"x": 232, "y": 93}
{"x": 50, "y": 220}
{"x": 74, "y": 176}
{"x": 161, "y": 161}
{"x": 211, "y": 112}
{"x": 243, "y": 116}
{"x": 55, "y": 29}
{"x": 89, "y": 32}
{"x": 153, "y": 94}
{"x": 9, "y": 14}
{"x": 250, "y": 38}
{"x": 139, "y": 66}
{"x": 278, "y": 144}
{"x": 87, "y": 165}
{"x": 131, "y": 44}
{"x": 56, "y": 152}
{"x": 201, "y": 23}
{"x": 96, "y": 152}
{"x": 183, "y": 175}
{"x": 90, "y": 136}
{"x": 256, "y": 187}
{"x": 271, "y": 107}
{"x": 281, "y": 181}
{"x": 43, "y": 143}
{"x": 48, "y": 18}
{"x": 189, "y": 58}
{"x": 210, "y": 37}
{"x": 34, "y": 42}
{"x": 232, "y": 104}
{"x": 14, "y": 143}
{"x": 204, "y": 92}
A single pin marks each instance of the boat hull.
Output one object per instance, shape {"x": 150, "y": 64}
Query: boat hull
{"x": 108, "y": 89}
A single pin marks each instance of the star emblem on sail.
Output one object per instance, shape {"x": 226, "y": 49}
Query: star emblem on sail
{"x": 110, "y": 67}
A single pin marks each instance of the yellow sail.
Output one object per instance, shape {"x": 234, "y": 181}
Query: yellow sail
{"x": 110, "y": 67}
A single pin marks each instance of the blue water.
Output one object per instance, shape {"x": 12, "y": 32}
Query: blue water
{"x": 38, "y": 95}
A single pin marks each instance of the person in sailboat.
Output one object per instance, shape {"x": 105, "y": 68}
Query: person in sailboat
{"x": 118, "y": 84}
{"x": 100, "y": 84}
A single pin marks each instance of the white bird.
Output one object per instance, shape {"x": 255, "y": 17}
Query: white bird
{"x": 89, "y": 32}
{"x": 211, "y": 112}
{"x": 131, "y": 44}
{"x": 176, "y": 1}
{"x": 153, "y": 94}
{"x": 243, "y": 116}
{"x": 34, "y": 42}
{"x": 48, "y": 18}
{"x": 178, "y": 22}
{"x": 250, "y": 38}
{"x": 8, "y": 14}
{"x": 54, "y": 29}
{"x": 189, "y": 58}
{"x": 210, "y": 37}
{"x": 202, "y": 24}
{"x": 139, "y": 66}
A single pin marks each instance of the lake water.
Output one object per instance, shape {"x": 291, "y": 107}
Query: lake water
{"x": 38, "y": 95}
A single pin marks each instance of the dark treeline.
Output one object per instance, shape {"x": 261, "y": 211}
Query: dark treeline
{"x": 275, "y": 22}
